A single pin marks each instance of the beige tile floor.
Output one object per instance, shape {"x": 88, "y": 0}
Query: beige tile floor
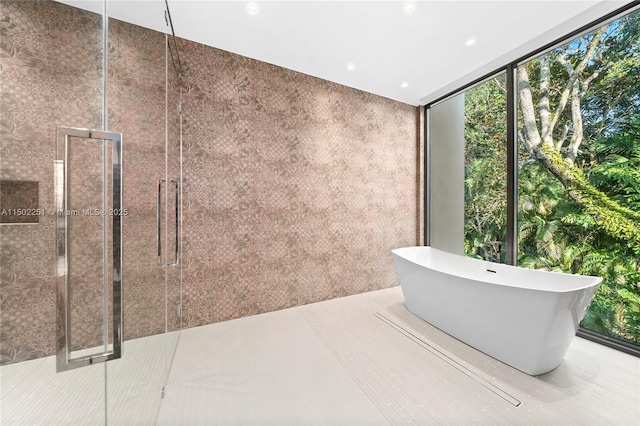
{"x": 359, "y": 360}
{"x": 366, "y": 360}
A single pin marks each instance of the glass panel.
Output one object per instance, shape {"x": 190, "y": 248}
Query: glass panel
{"x": 485, "y": 170}
{"x": 174, "y": 198}
{"x": 49, "y": 83}
{"x": 579, "y": 188}
{"x": 143, "y": 106}
{"x": 467, "y": 137}
{"x": 446, "y": 164}
{"x": 52, "y": 76}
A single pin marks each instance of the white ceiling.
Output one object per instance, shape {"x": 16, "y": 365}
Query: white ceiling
{"x": 386, "y": 45}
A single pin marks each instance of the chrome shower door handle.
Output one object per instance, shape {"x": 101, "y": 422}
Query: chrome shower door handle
{"x": 64, "y": 359}
{"x": 159, "y": 216}
{"x": 176, "y": 183}
{"x": 177, "y": 222}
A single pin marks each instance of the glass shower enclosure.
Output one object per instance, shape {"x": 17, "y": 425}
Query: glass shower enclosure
{"x": 90, "y": 190}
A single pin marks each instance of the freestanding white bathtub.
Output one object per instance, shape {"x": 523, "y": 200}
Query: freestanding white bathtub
{"x": 523, "y": 317}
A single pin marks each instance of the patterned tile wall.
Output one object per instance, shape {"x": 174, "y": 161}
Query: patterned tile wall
{"x": 49, "y": 76}
{"x": 296, "y": 189}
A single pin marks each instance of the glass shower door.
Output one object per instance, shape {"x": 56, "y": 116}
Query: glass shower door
{"x": 55, "y": 232}
{"x": 59, "y": 181}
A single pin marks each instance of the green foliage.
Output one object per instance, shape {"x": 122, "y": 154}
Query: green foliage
{"x": 485, "y": 170}
{"x": 559, "y": 234}
{"x": 617, "y": 169}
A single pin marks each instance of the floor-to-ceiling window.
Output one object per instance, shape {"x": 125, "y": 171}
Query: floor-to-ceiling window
{"x": 579, "y": 168}
{"x": 552, "y": 167}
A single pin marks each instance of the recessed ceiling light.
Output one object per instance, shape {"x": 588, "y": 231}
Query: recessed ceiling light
{"x": 471, "y": 42}
{"x": 403, "y": 85}
{"x": 351, "y": 66}
{"x": 252, "y": 8}
{"x": 409, "y": 7}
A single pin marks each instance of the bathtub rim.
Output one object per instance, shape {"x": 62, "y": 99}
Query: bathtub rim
{"x": 589, "y": 280}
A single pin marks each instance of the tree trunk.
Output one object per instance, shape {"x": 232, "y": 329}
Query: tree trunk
{"x": 618, "y": 221}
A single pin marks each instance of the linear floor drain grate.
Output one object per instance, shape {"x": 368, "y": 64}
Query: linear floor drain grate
{"x": 450, "y": 359}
